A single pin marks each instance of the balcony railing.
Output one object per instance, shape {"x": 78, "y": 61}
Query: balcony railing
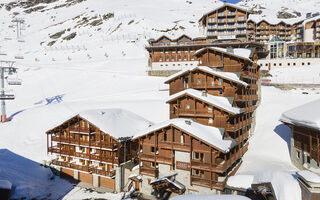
{"x": 197, "y": 180}
{"x": 149, "y": 171}
{"x": 85, "y": 168}
{"x": 238, "y": 126}
{"x": 152, "y": 157}
{"x": 194, "y": 112}
{"x": 174, "y": 145}
{"x": 94, "y": 143}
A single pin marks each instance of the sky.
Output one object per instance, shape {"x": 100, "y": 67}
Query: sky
{"x": 232, "y": 1}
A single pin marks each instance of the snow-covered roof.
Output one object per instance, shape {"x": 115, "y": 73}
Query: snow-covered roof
{"x": 306, "y": 115}
{"x": 240, "y": 181}
{"x": 309, "y": 176}
{"x": 5, "y": 184}
{"x": 210, "y": 197}
{"x": 226, "y": 75}
{"x": 217, "y": 101}
{"x": 221, "y": 6}
{"x": 115, "y": 122}
{"x": 208, "y": 134}
{"x": 284, "y": 184}
{"x": 270, "y": 19}
{"x": 238, "y": 52}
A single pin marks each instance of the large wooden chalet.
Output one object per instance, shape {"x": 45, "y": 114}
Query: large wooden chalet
{"x": 305, "y": 135}
{"x": 91, "y": 145}
{"x": 197, "y": 156}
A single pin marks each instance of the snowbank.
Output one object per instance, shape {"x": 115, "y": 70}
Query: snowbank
{"x": 284, "y": 184}
{"x": 306, "y": 115}
{"x": 29, "y": 179}
{"x": 240, "y": 181}
{"x": 210, "y": 197}
{"x": 4, "y": 184}
{"x": 309, "y": 176}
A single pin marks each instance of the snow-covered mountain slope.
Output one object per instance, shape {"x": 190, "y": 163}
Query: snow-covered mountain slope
{"x": 274, "y": 11}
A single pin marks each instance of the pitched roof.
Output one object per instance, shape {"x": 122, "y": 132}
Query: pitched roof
{"x": 237, "y": 52}
{"x": 306, "y": 115}
{"x": 226, "y": 75}
{"x": 207, "y": 134}
{"x": 217, "y": 101}
{"x": 115, "y": 122}
{"x": 224, "y": 5}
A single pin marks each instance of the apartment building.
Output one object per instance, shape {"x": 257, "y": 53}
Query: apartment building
{"x": 91, "y": 145}
{"x": 211, "y": 115}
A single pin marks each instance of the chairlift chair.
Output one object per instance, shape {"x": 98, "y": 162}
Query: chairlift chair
{"x": 7, "y": 95}
{"x": 14, "y": 81}
{"x": 19, "y": 57}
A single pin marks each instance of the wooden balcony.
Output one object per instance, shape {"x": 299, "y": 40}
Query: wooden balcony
{"x": 249, "y": 75}
{"x": 84, "y": 155}
{"x": 221, "y": 167}
{"x": 154, "y": 172}
{"x": 158, "y": 158}
{"x": 238, "y": 126}
{"x": 70, "y": 140}
{"x": 71, "y": 165}
{"x": 174, "y": 145}
{"x": 205, "y": 85}
{"x": 197, "y": 180}
{"x": 85, "y": 168}
{"x": 103, "y": 172}
{"x": 193, "y": 113}
{"x": 245, "y": 97}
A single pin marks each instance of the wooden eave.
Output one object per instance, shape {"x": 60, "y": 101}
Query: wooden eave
{"x": 223, "y": 52}
{"x": 183, "y": 95}
{"x": 172, "y": 125}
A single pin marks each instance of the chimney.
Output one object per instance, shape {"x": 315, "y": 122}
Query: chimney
{"x": 188, "y": 122}
{"x": 204, "y": 94}
{"x": 230, "y": 50}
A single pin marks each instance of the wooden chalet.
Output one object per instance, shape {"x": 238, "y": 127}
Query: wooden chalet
{"x": 198, "y": 154}
{"x": 211, "y": 110}
{"x": 239, "y": 61}
{"x": 305, "y": 135}
{"x": 91, "y": 145}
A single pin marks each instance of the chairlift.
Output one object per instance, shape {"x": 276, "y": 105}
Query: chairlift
{"x": 20, "y": 57}
{"x": 6, "y": 95}
{"x": 14, "y": 81}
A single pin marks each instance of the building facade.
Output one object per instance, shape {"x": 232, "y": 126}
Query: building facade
{"x": 305, "y": 135}
{"x": 92, "y": 145}
{"x": 211, "y": 115}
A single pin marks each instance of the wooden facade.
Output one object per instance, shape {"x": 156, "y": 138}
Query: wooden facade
{"x": 80, "y": 145}
{"x": 307, "y": 140}
{"x": 303, "y": 50}
{"x": 204, "y": 162}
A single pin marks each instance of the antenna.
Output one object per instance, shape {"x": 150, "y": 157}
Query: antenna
{"x": 19, "y": 22}
{"x": 5, "y": 67}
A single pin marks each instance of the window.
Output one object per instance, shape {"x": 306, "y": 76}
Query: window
{"x": 160, "y": 59}
{"x": 185, "y": 58}
{"x": 167, "y": 58}
{"x": 172, "y": 58}
{"x": 288, "y": 64}
{"x": 199, "y": 80}
{"x": 220, "y": 91}
{"x": 308, "y": 63}
{"x": 221, "y": 69}
{"x": 220, "y": 81}
{"x": 210, "y": 120}
{"x": 192, "y": 57}
{"x": 303, "y": 63}
{"x": 188, "y": 106}
{"x": 165, "y": 137}
{"x": 152, "y": 149}
{"x": 179, "y": 58}
{"x": 182, "y": 139}
{"x": 210, "y": 109}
